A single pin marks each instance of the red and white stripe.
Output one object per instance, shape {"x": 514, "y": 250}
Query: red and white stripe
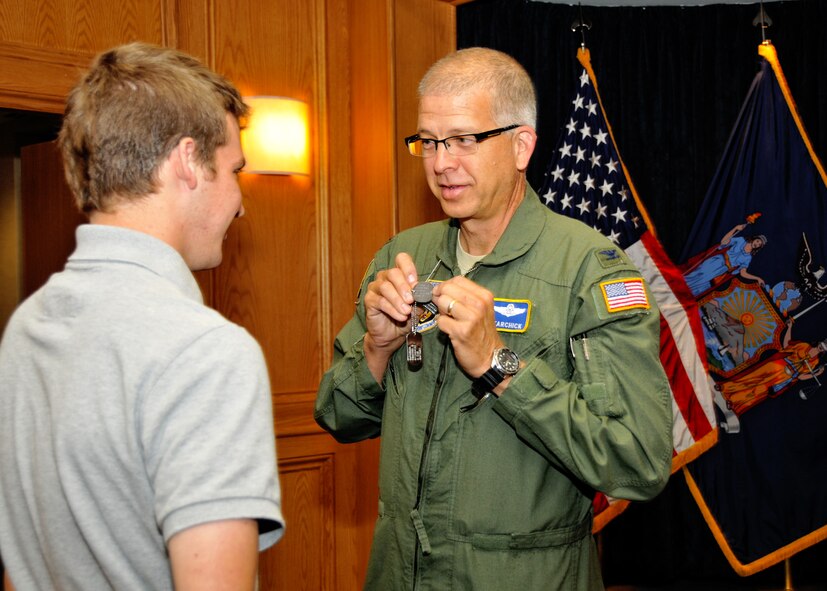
{"x": 693, "y": 407}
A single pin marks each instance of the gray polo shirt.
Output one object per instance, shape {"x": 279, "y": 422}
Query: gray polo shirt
{"x": 129, "y": 411}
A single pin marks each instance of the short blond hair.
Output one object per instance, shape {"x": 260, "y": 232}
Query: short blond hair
{"x": 510, "y": 89}
{"x": 128, "y": 112}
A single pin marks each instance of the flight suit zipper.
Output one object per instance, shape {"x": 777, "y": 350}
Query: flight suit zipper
{"x": 421, "y": 537}
{"x": 422, "y": 534}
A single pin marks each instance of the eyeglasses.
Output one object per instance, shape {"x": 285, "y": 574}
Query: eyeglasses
{"x": 456, "y": 145}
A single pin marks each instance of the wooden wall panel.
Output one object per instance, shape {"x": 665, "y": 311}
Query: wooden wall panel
{"x": 270, "y": 281}
{"x": 81, "y": 25}
{"x": 339, "y": 262}
{"x": 36, "y": 79}
{"x": 374, "y": 132}
{"x": 423, "y": 33}
{"x": 44, "y": 46}
{"x": 297, "y": 561}
{"x": 189, "y": 27}
{"x": 10, "y": 233}
{"x": 330, "y": 515}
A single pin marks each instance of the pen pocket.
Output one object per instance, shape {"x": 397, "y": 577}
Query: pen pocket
{"x": 589, "y": 374}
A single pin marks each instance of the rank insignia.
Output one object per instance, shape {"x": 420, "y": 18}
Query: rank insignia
{"x": 608, "y": 257}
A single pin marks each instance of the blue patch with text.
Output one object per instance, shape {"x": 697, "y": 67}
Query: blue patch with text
{"x": 512, "y": 315}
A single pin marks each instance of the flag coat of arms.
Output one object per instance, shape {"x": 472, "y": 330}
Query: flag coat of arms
{"x": 587, "y": 180}
{"x": 755, "y": 263}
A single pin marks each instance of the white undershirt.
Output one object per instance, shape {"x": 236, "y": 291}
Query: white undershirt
{"x": 464, "y": 260}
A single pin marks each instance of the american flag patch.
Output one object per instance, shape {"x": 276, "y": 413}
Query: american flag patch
{"x": 624, "y": 294}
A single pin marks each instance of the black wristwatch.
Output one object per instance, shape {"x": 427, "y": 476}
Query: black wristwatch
{"x": 504, "y": 363}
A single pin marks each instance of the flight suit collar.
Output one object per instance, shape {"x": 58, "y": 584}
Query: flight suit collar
{"x": 521, "y": 233}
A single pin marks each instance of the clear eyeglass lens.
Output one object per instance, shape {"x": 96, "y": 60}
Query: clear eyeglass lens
{"x": 427, "y": 147}
{"x": 461, "y": 145}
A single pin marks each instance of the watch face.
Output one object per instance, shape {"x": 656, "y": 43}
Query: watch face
{"x": 508, "y": 361}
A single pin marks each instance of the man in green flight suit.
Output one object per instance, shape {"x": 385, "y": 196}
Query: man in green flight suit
{"x": 523, "y": 377}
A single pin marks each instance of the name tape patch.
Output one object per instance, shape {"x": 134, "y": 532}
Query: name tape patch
{"x": 512, "y": 315}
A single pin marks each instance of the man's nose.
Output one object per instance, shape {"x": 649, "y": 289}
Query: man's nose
{"x": 443, "y": 159}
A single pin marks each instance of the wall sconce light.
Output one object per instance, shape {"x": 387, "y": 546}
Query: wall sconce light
{"x": 276, "y": 140}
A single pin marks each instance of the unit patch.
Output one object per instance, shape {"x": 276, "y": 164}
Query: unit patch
{"x": 624, "y": 294}
{"x": 427, "y": 319}
{"x": 512, "y": 315}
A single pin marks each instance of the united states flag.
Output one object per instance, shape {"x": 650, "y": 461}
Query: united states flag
{"x": 587, "y": 180}
{"x": 624, "y": 294}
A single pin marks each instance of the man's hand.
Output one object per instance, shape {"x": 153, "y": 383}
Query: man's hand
{"x": 388, "y": 302}
{"x": 467, "y": 317}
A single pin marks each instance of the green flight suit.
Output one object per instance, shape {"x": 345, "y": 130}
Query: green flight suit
{"x": 497, "y": 495}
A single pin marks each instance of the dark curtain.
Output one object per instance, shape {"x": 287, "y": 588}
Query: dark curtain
{"x": 672, "y": 80}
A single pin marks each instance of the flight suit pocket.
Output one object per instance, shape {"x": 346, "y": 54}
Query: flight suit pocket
{"x": 590, "y": 362}
{"x": 390, "y": 448}
{"x": 601, "y": 402}
{"x": 556, "y": 559}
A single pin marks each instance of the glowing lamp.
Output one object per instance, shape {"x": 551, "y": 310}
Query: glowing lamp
{"x": 276, "y": 140}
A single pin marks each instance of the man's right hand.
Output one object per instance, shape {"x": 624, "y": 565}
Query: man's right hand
{"x": 388, "y": 302}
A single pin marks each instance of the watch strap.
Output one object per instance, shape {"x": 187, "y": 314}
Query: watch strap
{"x": 487, "y": 382}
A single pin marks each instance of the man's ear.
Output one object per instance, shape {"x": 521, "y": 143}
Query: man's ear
{"x": 183, "y": 162}
{"x": 524, "y": 143}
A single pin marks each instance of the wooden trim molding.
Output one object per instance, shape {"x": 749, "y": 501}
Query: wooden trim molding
{"x": 294, "y": 414}
{"x": 38, "y": 79}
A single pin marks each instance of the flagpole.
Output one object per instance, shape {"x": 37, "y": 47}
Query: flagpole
{"x": 807, "y": 309}
{"x": 581, "y": 25}
{"x": 788, "y": 575}
{"x": 763, "y": 21}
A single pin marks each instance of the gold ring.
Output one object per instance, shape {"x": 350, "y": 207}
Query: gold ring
{"x": 450, "y": 308}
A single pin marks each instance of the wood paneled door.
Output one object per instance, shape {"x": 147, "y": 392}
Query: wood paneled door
{"x": 48, "y": 214}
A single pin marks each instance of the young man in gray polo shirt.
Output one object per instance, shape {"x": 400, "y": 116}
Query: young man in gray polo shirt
{"x": 136, "y": 432}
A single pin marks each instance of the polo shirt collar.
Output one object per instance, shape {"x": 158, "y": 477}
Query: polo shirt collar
{"x": 98, "y": 242}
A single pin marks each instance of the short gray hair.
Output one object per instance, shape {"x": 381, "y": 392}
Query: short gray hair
{"x": 513, "y": 99}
